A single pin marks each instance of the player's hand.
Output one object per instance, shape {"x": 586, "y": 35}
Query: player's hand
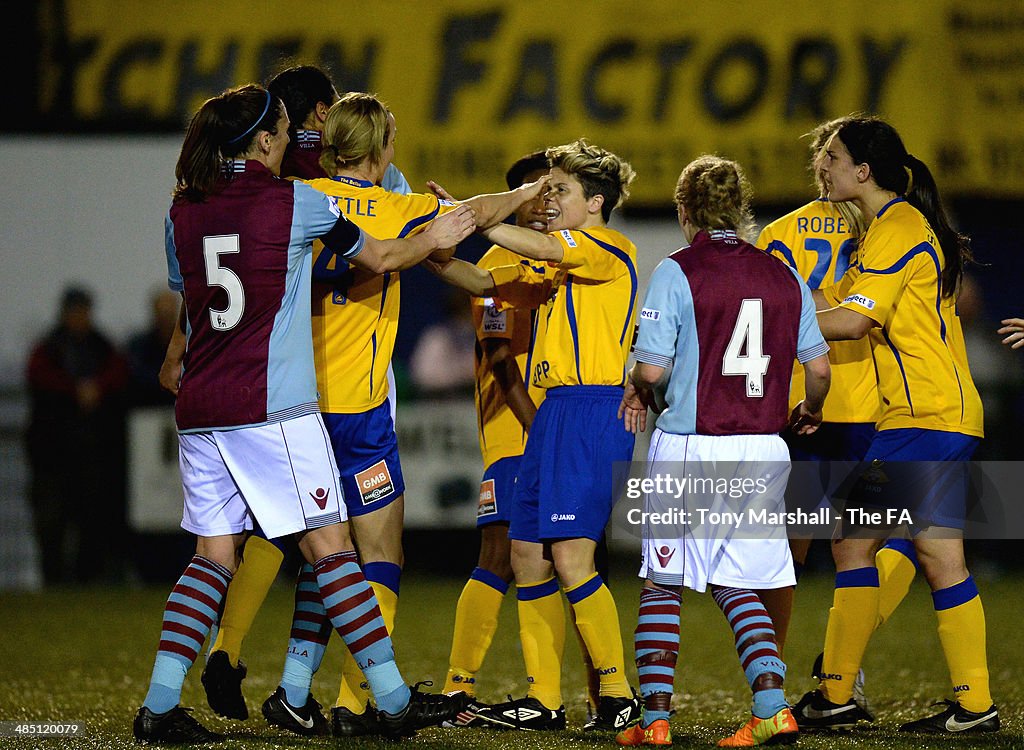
{"x": 530, "y": 190}
{"x": 632, "y": 410}
{"x": 440, "y": 192}
{"x": 802, "y": 421}
{"x": 1015, "y": 328}
{"x": 170, "y": 374}
{"x": 449, "y": 229}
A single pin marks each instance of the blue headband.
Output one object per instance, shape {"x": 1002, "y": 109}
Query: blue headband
{"x": 253, "y": 126}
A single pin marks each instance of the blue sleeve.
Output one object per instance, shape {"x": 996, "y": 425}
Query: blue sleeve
{"x": 810, "y": 343}
{"x": 174, "y": 280}
{"x": 668, "y": 302}
{"x": 394, "y": 181}
{"x": 317, "y": 217}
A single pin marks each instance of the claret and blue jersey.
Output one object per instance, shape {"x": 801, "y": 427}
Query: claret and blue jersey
{"x": 737, "y": 318}
{"x": 243, "y": 258}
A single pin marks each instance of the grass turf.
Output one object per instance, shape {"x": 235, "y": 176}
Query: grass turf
{"x": 85, "y": 655}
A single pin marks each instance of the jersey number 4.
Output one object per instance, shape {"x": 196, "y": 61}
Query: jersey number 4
{"x": 225, "y": 278}
{"x": 748, "y": 335}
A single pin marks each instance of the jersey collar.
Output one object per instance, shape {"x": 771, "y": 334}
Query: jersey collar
{"x": 307, "y": 137}
{"x": 883, "y": 209}
{"x": 353, "y": 181}
{"x": 723, "y": 235}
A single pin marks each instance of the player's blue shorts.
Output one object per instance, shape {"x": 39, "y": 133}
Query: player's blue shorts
{"x": 925, "y": 472}
{"x": 565, "y": 488}
{"x": 497, "y": 489}
{"x": 366, "y": 449}
{"x": 823, "y": 460}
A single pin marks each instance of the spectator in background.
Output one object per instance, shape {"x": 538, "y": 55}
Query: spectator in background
{"x": 76, "y": 379}
{"x": 146, "y": 350}
{"x": 443, "y": 363}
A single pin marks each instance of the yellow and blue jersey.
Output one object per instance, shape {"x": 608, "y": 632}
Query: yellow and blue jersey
{"x": 919, "y": 352}
{"x": 355, "y": 312}
{"x": 501, "y": 433}
{"x": 585, "y": 330}
{"x": 820, "y": 245}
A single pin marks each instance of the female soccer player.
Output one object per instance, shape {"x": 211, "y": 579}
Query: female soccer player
{"x": 307, "y": 93}
{"x": 902, "y": 295}
{"x": 355, "y": 320}
{"x": 819, "y": 240}
{"x": 729, "y": 320}
{"x": 252, "y": 445}
{"x": 565, "y": 488}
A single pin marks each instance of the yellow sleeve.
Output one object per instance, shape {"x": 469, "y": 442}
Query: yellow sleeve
{"x": 520, "y": 286}
{"x": 586, "y": 258}
{"x": 418, "y": 210}
{"x": 876, "y": 283}
{"x": 765, "y": 238}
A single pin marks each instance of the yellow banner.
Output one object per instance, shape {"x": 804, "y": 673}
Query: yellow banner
{"x": 474, "y": 85}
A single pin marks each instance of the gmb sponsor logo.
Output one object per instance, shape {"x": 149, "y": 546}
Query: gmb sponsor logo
{"x": 556, "y": 517}
{"x": 649, "y": 314}
{"x": 567, "y": 236}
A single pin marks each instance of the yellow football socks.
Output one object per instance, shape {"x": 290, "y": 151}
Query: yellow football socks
{"x": 260, "y": 562}
{"x": 476, "y": 620}
{"x": 851, "y": 621}
{"x": 962, "y": 633}
{"x": 542, "y": 632}
{"x": 897, "y": 565}
{"x": 598, "y": 622}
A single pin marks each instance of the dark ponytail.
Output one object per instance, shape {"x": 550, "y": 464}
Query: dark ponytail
{"x": 923, "y": 194}
{"x": 876, "y": 143}
{"x": 224, "y": 127}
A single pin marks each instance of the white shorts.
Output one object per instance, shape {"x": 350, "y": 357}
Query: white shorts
{"x": 692, "y": 555}
{"x": 282, "y": 474}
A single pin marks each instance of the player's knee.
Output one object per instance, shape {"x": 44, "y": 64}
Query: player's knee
{"x": 942, "y": 571}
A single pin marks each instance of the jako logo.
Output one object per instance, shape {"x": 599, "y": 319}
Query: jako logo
{"x": 556, "y": 517}
{"x": 836, "y": 677}
{"x": 610, "y": 670}
{"x": 961, "y": 688}
{"x": 320, "y": 496}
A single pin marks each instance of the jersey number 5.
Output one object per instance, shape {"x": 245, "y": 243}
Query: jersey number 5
{"x": 225, "y": 278}
{"x": 748, "y": 334}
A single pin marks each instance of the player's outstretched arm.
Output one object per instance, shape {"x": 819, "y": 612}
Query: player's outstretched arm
{"x": 844, "y": 324}
{"x": 1015, "y": 328}
{"x": 465, "y": 276}
{"x": 493, "y": 208}
{"x": 527, "y": 242}
{"x": 446, "y": 231}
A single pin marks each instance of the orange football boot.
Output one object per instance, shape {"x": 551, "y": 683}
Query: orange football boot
{"x": 658, "y": 733}
{"x": 781, "y": 729}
